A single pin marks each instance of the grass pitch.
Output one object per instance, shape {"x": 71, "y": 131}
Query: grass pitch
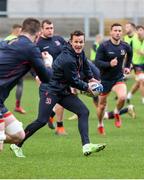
{"x": 53, "y": 157}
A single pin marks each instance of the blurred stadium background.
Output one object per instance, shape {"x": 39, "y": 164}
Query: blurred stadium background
{"x": 49, "y": 157}
{"x": 91, "y": 16}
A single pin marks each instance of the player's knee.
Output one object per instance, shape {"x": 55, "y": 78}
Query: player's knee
{"x": 18, "y": 137}
{"x": 102, "y": 106}
{"x": 86, "y": 112}
{"x": 83, "y": 112}
{"x": 21, "y": 136}
{"x": 122, "y": 98}
{"x": 15, "y": 131}
{"x": 14, "y": 127}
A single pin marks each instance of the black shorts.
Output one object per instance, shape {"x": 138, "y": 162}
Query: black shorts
{"x": 3, "y": 110}
{"x": 108, "y": 85}
{"x": 138, "y": 68}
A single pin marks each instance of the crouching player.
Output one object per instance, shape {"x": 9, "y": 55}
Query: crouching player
{"x": 16, "y": 59}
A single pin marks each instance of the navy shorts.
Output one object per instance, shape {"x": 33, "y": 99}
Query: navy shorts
{"x": 3, "y": 109}
{"x": 3, "y": 95}
{"x": 108, "y": 85}
{"x": 138, "y": 68}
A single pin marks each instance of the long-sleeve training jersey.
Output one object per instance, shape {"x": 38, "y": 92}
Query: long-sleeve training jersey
{"x": 66, "y": 71}
{"x": 108, "y": 51}
{"x": 17, "y": 57}
{"x": 53, "y": 45}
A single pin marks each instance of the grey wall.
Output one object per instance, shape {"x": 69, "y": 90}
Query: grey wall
{"x": 107, "y": 8}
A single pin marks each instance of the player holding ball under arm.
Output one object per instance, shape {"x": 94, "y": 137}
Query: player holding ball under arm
{"x": 66, "y": 74}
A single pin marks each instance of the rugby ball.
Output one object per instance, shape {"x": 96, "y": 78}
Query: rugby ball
{"x": 48, "y": 60}
{"x": 96, "y": 88}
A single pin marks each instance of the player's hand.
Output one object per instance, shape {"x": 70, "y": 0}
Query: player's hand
{"x": 45, "y": 54}
{"x": 37, "y": 80}
{"x": 90, "y": 89}
{"x": 74, "y": 90}
{"x": 114, "y": 62}
{"x": 126, "y": 70}
{"x": 94, "y": 80}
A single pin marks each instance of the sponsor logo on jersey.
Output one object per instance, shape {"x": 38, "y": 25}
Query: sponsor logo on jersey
{"x": 110, "y": 52}
{"x": 46, "y": 47}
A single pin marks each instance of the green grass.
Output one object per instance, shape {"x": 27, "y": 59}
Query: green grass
{"x": 50, "y": 156}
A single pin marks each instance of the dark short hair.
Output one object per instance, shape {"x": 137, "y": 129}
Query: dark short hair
{"x": 15, "y": 26}
{"x": 132, "y": 24}
{"x": 139, "y": 26}
{"x": 115, "y": 24}
{"x": 47, "y": 21}
{"x": 77, "y": 33}
{"x": 31, "y": 26}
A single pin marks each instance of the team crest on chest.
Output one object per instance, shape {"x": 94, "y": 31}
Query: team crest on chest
{"x": 122, "y": 52}
{"x": 57, "y": 43}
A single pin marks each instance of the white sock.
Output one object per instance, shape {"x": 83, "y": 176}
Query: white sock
{"x": 129, "y": 95}
{"x": 116, "y": 111}
{"x": 100, "y": 124}
{"x": 106, "y": 115}
{"x": 86, "y": 145}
